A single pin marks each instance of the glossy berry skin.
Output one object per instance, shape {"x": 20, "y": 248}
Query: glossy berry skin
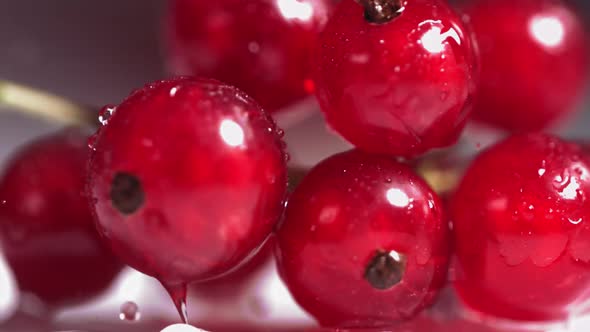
{"x": 187, "y": 179}
{"x": 347, "y": 210}
{"x": 46, "y": 228}
{"x": 522, "y": 221}
{"x": 261, "y": 46}
{"x": 231, "y": 285}
{"x": 401, "y": 87}
{"x": 534, "y": 62}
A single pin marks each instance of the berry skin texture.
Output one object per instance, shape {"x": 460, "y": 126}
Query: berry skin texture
{"x": 187, "y": 179}
{"x": 401, "y": 87}
{"x": 231, "y": 285}
{"x": 46, "y": 228}
{"x": 364, "y": 242}
{"x": 261, "y": 46}
{"x": 522, "y": 220}
{"x": 534, "y": 62}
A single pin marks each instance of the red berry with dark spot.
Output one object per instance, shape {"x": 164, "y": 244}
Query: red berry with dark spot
{"x": 46, "y": 228}
{"x": 394, "y": 76}
{"x": 534, "y": 62}
{"x": 261, "y": 46}
{"x": 364, "y": 242}
{"x": 522, "y": 221}
{"x": 187, "y": 179}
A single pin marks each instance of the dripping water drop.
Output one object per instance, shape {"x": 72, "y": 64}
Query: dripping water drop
{"x": 129, "y": 312}
{"x": 177, "y": 293}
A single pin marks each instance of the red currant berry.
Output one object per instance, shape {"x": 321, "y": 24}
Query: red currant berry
{"x": 522, "y": 221}
{"x": 46, "y": 228}
{"x": 237, "y": 281}
{"x": 364, "y": 242}
{"x": 188, "y": 178}
{"x": 397, "y": 78}
{"x": 260, "y": 46}
{"x": 534, "y": 62}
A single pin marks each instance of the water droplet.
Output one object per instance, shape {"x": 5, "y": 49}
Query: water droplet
{"x": 106, "y": 113}
{"x": 92, "y": 142}
{"x": 281, "y": 133}
{"x": 129, "y": 312}
{"x": 173, "y": 91}
{"x": 287, "y": 156}
{"x": 253, "y": 47}
{"x": 178, "y": 295}
{"x": 541, "y": 171}
{"x": 397, "y": 69}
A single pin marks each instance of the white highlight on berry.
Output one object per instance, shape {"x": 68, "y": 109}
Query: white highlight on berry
{"x": 397, "y": 197}
{"x": 295, "y": 9}
{"x": 547, "y": 30}
{"x": 231, "y": 132}
{"x": 434, "y": 40}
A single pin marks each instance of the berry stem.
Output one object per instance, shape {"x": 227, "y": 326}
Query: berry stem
{"x": 385, "y": 270}
{"x": 381, "y": 11}
{"x": 441, "y": 180}
{"x": 44, "y": 105}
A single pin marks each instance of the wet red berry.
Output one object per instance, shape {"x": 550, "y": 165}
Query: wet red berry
{"x": 46, "y": 228}
{"x": 231, "y": 285}
{"x": 187, "y": 179}
{"x": 261, "y": 46}
{"x": 364, "y": 242}
{"x": 534, "y": 62}
{"x": 398, "y": 81}
{"x": 522, "y": 221}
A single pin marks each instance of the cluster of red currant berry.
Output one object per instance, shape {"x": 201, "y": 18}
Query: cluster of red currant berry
{"x": 186, "y": 179}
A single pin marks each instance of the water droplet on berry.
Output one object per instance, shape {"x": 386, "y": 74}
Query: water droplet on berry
{"x": 281, "y": 133}
{"x": 129, "y": 312}
{"x": 253, "y": 47}
{"x": 105, "y": 114}
{"x": 178, "y": 295}
{"x": 92, "y": 142}
{"x": 173, "y": 91}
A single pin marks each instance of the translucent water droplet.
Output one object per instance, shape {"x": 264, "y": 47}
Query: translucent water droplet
{"x": 177, "y": 293}
{"x": 253, "y": 47}
{"x": 105, "y": 114}
{"x": 173, "y": 91}
{"x": 287, "y": 157}
{"x": 129, "y": 312}
{"x": 281, "y": 133}
{"x": 92, "y": 142}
